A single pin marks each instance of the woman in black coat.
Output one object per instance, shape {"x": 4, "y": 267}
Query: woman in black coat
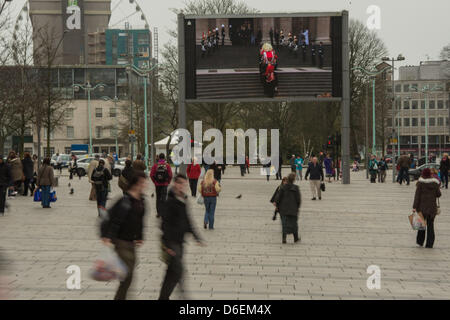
{"x": 288, "y": 204}
{"x": 425, "y": 201}
{"x": 275, "y": 195}
{"x": 28, "y": 173}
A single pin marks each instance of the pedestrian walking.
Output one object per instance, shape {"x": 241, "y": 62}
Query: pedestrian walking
{"x": 5, "y": 183}
{"x": 299, "y": 167}
{"x": 404, "y": 163}
{"x": 139, "y": 164}
{"x": 124, "y": 227}
{"x": 59, "y": 163}
{"x": 92, "y": 166}
{"x": 73, "y": 169}
{"x": 45, "y": 180}
{"x": 373, "y": 169}
{"x": 125, "y": 176}
{"x": 16, "y": 172}
{"x": 266, "y": 168}
{"x": 209, "y": 189}
{"x": 193, "y": 172}
{"x": 247, "y": 164}
{"x": 382, "y": 168}
{"x": 443, "y": 169}
{"x": 427, "y": 193}
{"x": 161, "y": 175}
{"x": 28, "y": 173}
{"x": 328, "y": 163}
{"x": 101, "y": 177}
{"x": 273, "y": 200}
{"x": 288, "y": 202}
{"x": 315, "y": 171}
{"x": 176, "y": 222}
{"x": 292, "y": 163}
{"x": 280, "y": 164}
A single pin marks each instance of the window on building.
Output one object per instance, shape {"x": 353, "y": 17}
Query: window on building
{"x": 28, "y": 131}
{"x": 70, "y": 132}
{"x": 414, "y": 104}
{"x": 422, "y": 140}
{"x": 440, "y": 104}
{"x": 69, "y": 113}
{"x": 432, "y": 104}
{"x": 433, "y": 139}
{"x": 112, "y": 112}
{"x": 98, "y": 132}
{"x": 406, "y": 122}
{"x": 143, "y": 39}
{"x": 440, "y": 122}
{"x": 389, "y": 122}
{"x": 432, "y": 122}
{"x": 67, "y": 150}
{"x": 52, "y": 152}
{"x": 51, "y": 134}
{"x": 414, "y": 122}
{"x": 406, "y": 104}
{"x": 406, "y": 88}
{"x": 98, "y": 112}
{"x": 414, "y": 139}
{"x": 398, "y": 104}
{"x": 398, "y": 88}
{"x": 422, "y": 122}
{"x": 422, "y": 104}
{"x": 112, "y": 132}
{"x": 405, "y": 139}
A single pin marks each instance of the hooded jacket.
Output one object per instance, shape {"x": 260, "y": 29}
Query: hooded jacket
{"x": 16, "y": 169}
{"x": 427, "y": 191}
{"x": 289, "y": 200}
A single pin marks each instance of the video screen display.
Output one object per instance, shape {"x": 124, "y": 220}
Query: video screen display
{"x": 273, "y": 57}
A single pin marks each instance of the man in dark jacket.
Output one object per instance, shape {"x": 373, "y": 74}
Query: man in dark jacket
{"x": 161, "y": 175}
{"x": 5, "y": 183}
{"x": 404, "y": 162}
{"x": 123, "y": 226}
{"x": 280, "y": 164}
{"x": 315, "y": 171}
{"x": 101, "y": 177}
{"x": 288, "y": 203}
{"x": 444, "y": 168}
{"x": 28, "y": 173}
{"x": 175, "y": 224}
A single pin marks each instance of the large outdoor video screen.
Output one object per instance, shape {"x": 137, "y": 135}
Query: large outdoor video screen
{"x": 263, "y": 56}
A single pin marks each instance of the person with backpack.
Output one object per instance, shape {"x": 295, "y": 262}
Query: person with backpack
{"x": 209, "y": 189}
{"x": 101, "y": 177}
{"x": 193, "y": 172}
{"x": 373, "y": 169}
{"x": 125, "y": 176}
{"x": 161, "y": 175}
{"x": 123, "y": 227}
{"x": 382, "y": 168}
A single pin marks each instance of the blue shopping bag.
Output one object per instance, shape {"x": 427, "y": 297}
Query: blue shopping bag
{"x": 37, "y": 195}
{"x": 53, "y": 197}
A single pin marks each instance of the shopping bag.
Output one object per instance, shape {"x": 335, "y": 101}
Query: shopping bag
{"x": 200, "y": 200}
{"x": 417, "y": 221}
{"x": 109, "y": 266}
{"x": 53, "y": 197}
{"x": 37, "y": 195}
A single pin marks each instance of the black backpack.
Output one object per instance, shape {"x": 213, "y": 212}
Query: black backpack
{"x": 98, "y": 176}
{"x": 161, "y": 173}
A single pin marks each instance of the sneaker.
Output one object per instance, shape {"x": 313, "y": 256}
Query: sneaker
{"x": 205, "y": 225}
{"x": 313, "y": 198}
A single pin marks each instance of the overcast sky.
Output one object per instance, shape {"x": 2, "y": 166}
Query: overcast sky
{"x": 416, "y": 28}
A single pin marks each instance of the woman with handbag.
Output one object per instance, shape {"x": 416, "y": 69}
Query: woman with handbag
{"x": 209, "y": 189}
{"x": 45, "y": 181}
{"x": 425, "y": 201}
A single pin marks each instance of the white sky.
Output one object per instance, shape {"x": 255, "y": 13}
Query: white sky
{"x": 416, "y": 28}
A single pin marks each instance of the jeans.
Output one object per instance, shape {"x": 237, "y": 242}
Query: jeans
{"x": 174, "y": 273}
{"x": 2, "y": 198}
{"x": 403, "y": 175}
{"x": 444, "y": 178}
{"x": 161, "y": 197}
{"x": 193, "y": 186}
{"x": 45, "y": 196}
{"x": 126, "y": 252}
{"x": 430, "y": 234}
{"x": 210, "y": 206}
{"x": 26, "y": 186}
{"x": 102, "y": 194}
{"x": 382, "y": 176}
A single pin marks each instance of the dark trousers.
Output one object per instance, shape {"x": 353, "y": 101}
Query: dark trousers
{"x": 26, "y": 186}
{"x": 161, "y": 197}
{"x": 403, "y": 175}
{"x": 3, "y": 198}
{"x": 444, "y": 178}
{"x": 174, "y": 273}
{"x": 193, "y": 186}
{"x": 248, "y": 169}
{"x": 126, "y": 252}
{"x": 279, "y": 173}
{"x": 102, "y": 194}
{"x": 430, "y": 234}
{"x": 242, "y": 170}
{"x": 285, "y": 235}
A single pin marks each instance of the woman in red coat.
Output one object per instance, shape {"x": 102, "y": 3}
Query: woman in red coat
{"x": 193, "y": 172}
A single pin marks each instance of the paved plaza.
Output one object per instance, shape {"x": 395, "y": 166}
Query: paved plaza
{"x": 353, "y": 227}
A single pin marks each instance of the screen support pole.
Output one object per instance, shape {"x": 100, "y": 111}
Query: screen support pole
{"x": 345, "y": 125}
{"x": 181, "y": 81}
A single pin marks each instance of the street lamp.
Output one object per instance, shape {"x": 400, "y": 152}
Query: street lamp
{"x": 400, "y": 57}
{"x": 426, "y": 90}
{"x": 115, "y": 100}
{"x": 372, "y": 75}
{"x": 88, "y": 87}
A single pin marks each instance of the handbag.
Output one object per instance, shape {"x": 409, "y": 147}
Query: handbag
{"x": 438, "y": 207}
{"x": 417, "y": 221}
{"x": 322, "y": 186}
{"x": 37, "y": 195}
{"x": 200, "y": 200}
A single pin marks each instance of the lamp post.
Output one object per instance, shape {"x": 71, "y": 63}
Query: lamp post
{"x": 426, "y": 90}
{"x": 372, "y": 75}
{"x": 400, "y": 57}
{"x": 88, "y": 88}
{"x": 115, "y": 100}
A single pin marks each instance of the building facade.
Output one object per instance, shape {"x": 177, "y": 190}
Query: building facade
{"x": 419, "y": 89}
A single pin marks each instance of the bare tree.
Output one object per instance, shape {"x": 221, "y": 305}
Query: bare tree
{"x": 445, "y": 53}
